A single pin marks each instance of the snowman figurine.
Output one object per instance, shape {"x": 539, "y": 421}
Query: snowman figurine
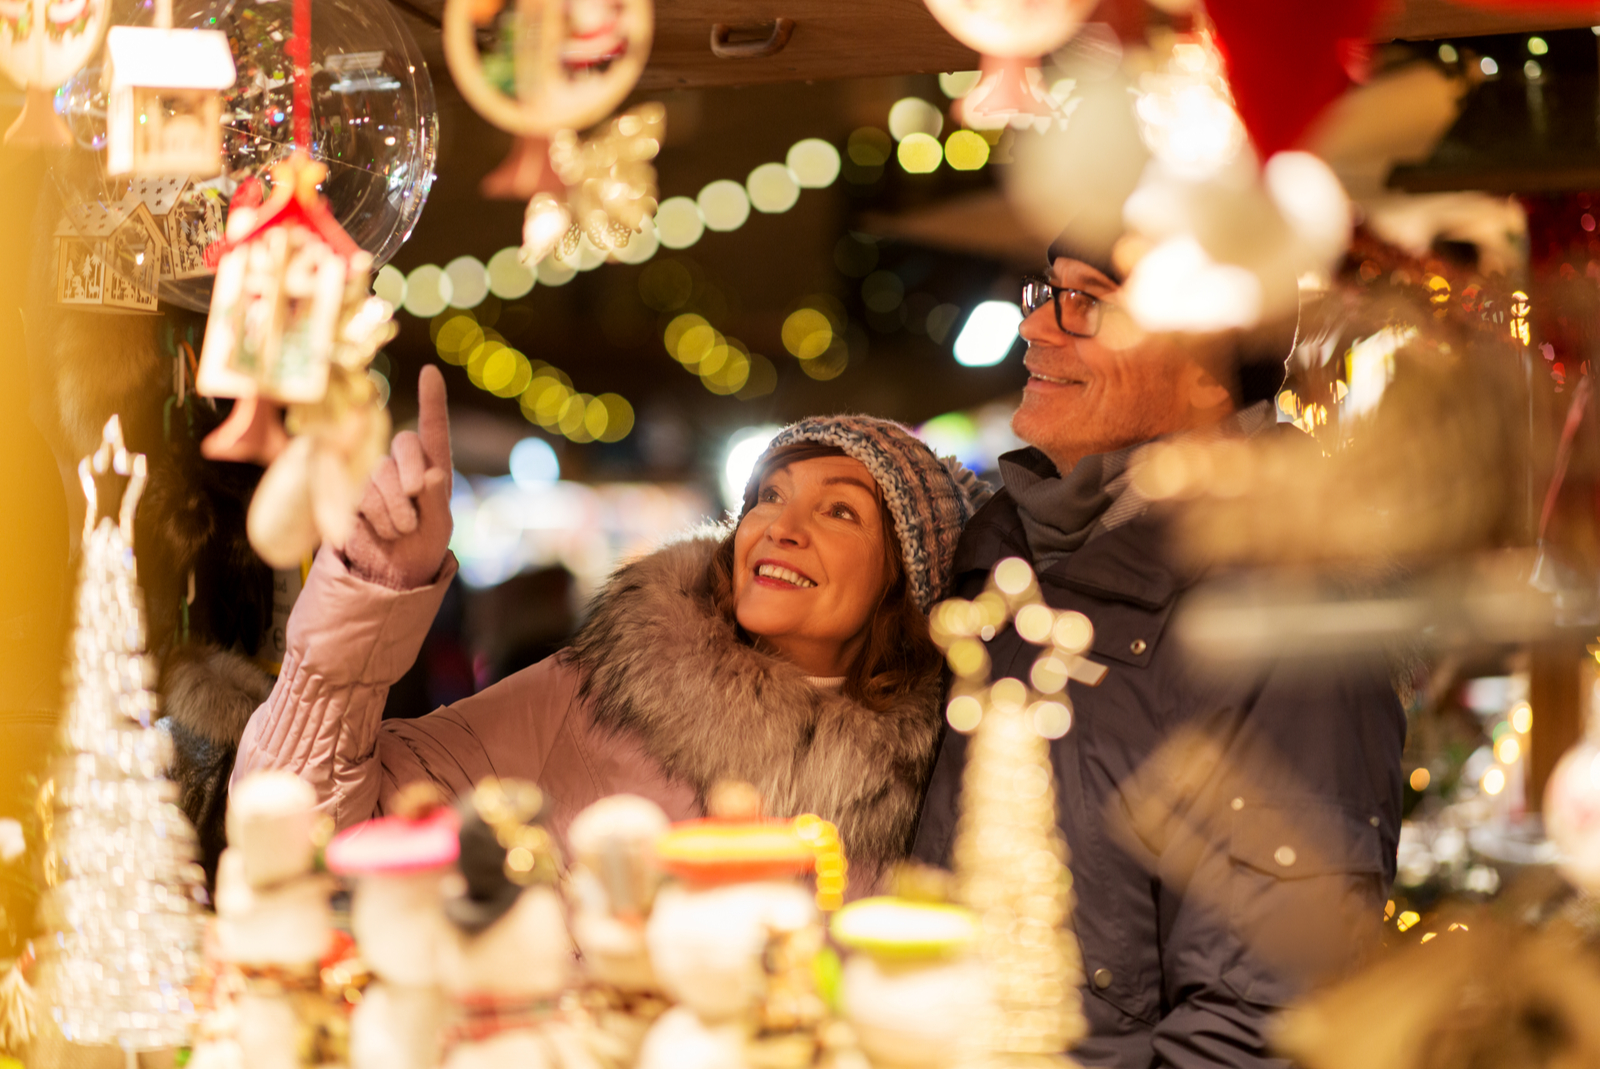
{"x": 913, "y": 990}
{"x": 512, "y": 958}
{"x": 612, "y": 887}
{"x": 273, "y": 921}
{"x": 399, "y": 864}
{"x": 734, "y": 942}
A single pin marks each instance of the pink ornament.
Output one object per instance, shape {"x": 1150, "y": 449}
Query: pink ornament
{"x": 1572, "y": 814}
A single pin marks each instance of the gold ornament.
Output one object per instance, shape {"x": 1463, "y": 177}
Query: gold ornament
{"x": 605, "y": 186}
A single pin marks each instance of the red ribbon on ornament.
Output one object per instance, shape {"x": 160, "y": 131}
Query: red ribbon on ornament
{"x": 300, "y": 51}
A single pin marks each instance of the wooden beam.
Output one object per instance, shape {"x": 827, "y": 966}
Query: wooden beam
{"x": 1427, "y": 20}
{"x": 1561, "y": 675}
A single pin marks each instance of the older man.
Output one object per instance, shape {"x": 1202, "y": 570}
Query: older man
{"x": 1232, "y": 839}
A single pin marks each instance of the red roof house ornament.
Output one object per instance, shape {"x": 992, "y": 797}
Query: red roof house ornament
{"x": 293, "y": 323}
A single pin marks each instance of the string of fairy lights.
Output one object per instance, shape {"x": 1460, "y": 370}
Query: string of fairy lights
{"x": 815, "y": 332}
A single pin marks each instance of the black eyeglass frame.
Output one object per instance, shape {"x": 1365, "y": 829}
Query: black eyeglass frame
{"x": 1092, "y": 317}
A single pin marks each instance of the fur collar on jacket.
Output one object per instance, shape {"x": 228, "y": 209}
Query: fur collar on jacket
{"x": 659, "y": 662}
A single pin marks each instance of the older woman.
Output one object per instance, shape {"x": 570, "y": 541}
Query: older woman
{"x": 791, "y": 652}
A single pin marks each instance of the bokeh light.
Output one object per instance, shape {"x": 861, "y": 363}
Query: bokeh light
{"x": 427, "y": 291}
{"x": 534, "y": 463}
{"x": 882, "y": 291}
{"x": 966, "y": 150}
{"x": 724, "y": 205}
{"x": 469, "y": 281}
{"x": 868, "y": 147}
{"x": 920, "y": 153}
{"x": 958, "y": 84}
{"x": 807, "y": 333}
{"x": 772, "y": 188}
{"x": 988, "y": 334}
{"x": 554, "y": 272}
{"x": 739, "y": 457}
{"x": 1420, "y": 778}
{"x": 509, "y": 277}
{"x": 666, "y": 285}
{"x": 455, "y": 336}
{"x": 619, "y": 417}
{"x": 679, "y": 223}
{"x": 763, "y": 378}
{"x": 814, "y": 163}
{"x": 829, "y": 365}
{"x": 640, "y": 247}
{"x": 390, "y": 284}
{"x": 913, "y": 115}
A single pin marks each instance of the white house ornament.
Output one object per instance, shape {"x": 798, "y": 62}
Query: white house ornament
{"x": 42, "y": 44}
{"x": 1011, "y": 35}
{"x": 1572, "y": 815}
{"x": 109, "y": 255}
{"x": 555, "y": 64}
{"x": 164, "y": 102}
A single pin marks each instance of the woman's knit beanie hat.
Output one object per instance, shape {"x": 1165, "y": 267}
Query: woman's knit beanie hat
{"x": 930, "y": 499}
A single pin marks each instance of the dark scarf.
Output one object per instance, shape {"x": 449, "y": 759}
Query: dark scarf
{"x": 1060, "y": 513}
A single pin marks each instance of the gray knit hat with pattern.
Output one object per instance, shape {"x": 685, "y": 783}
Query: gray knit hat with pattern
{"x": 930, "y": 499}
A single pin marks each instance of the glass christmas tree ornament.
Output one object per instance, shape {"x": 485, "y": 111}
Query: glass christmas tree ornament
{"x": 42, "y": 43}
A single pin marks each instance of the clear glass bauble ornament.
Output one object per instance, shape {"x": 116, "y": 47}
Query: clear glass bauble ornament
{"x": 374, "y": 124}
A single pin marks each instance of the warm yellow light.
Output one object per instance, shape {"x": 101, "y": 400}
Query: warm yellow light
{"x": 966, "y": 151}
{"x": 830, "y": 365}
{"x": 964, "y": 713}
{"x": 390, "y": 284}
{"x": 1494, "y": 781}
{"x": 814, "y": 162}
{"x": 680, "y": 325}
{"x": 500, "y": 369}
{"x": 724, "y": 205}
{"x": 772, "y": 188}
{"x": 1522, "y": 718}
{"x": 678, "y": 223}
{"x": 1420, "y": 778}
{"x": 1407, "y": 920}
{"x": 457, "y": 337}
{"x": 807, "y": 333}
{"x": 920, "y": 154}
{"x": 698, "y": 347}
{"x": 913, "y": 115}
{"x": 509, "y": 277}
{"x": 868, "y": 147}
{"x": 619, "y": 417}
{"x": 1508, "y": 750}
{"x": 762, "y": 381}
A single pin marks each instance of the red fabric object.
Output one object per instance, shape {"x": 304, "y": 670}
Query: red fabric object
{"x": 1542, "y": 6}
{"x": 1285, "y": 60}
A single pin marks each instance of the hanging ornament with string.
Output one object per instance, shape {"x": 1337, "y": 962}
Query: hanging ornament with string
{"x": 42, "y": 43}
{"x": 551, "y": 70}
{"x": 1011, "y": 35}
{"x": 119, "y": 847}
{"x": 293, "y": 324}
{"x": 164, "y": 100}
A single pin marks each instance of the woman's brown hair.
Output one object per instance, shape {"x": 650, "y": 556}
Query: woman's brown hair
{"x": 898, "y": 654}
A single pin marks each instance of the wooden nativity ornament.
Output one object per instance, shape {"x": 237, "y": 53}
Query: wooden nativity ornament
{"x": 164, "y": 102}
{"x": 114, "y": 253}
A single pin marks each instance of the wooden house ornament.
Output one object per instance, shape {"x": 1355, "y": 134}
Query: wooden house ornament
{"x": 164, "y": 102}
{"x": 283, "y": 281}
{"x": 110, "y": 255}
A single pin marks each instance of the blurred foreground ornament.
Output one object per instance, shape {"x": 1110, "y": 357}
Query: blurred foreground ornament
{"x": 1572, "y": 813}
{"x": 400, "y": 864}
{"x": 913, "y": 989}
{"x": 602, "y": 187}
{"x": 1010, "y": 858}
{"x": 42, "y": 43}
{"x": 120, "y": 862}
{"x": 292, "y": 323}
{"x": 1010, "y": 35}
{"x": 736, "y": 941}
{"x": 111, "y": 256}
{"x": 164, "y": 105}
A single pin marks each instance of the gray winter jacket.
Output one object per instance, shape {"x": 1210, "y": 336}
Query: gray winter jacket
{"x": 1232, "y": 840}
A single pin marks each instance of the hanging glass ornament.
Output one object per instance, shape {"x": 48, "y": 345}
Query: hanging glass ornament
{"x": 1011, "y": 35}
{"x": 604, "y": 188}
{"x": 373, "y": 125}
{"x": 42, "y": 42}
{"x": 120, "y": 860}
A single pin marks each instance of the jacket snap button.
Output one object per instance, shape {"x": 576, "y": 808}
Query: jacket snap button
{"x": 1284, "y": 856}
{"x": 1102, "y": 978}
{"x": 1138, "y": 646}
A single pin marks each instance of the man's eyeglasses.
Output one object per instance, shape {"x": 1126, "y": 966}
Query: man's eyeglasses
{"x": 1077, "y": 312}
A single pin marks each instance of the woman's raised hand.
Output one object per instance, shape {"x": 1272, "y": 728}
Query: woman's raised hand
{"x": 402, "y": 528}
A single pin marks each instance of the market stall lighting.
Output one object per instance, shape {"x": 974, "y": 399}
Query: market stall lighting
{"x": 679, "y": 223}
{"x": 1490, "y": 68}
{"x": 509, "y": 277}
{"x": 534, "y": 463}
{"x": 390, "y": 284}
{"x": 724, "y": 365}
{"x": 744, "y": 448}
{"x": 772, "y": 188}
{"x": 724, "y": 205}
{"x": 1448, "y": 53}
{"x": 913, "y": 115}
{"x": 469, "y": 281}
{"x": 427, "y": 291}
{"x": 958, "y": 84}
{"x": 920, "y": 153}
{"x": 965, "y": 150}
{"x": 988, "y": 335}
{"x": 814, "y": 162}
